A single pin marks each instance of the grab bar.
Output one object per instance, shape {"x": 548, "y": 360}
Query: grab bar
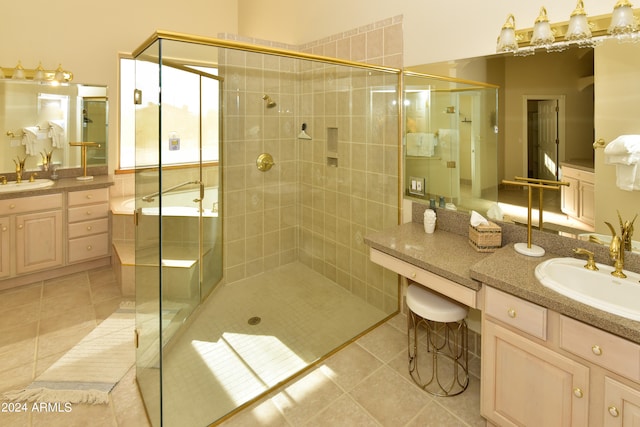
{"x": 150, "y": 197}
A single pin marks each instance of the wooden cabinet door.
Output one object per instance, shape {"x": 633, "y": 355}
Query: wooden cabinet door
{"x": 622, "y": 405}
{"x": 38, "y": 241}
{"x": 5, "y": 255}
{"x": 527, "y": 384}
{"x": 570, "y": 196}
{"x": 587, "y": 203}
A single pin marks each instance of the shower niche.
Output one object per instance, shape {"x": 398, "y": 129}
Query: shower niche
{"x": 281, "y": 244}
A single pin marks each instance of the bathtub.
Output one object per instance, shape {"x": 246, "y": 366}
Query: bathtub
{"x": 177, "y": 203}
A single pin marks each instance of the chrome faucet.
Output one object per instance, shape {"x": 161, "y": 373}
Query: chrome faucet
{"x": 19, "y": 168}
{"x": 619, "y": 244}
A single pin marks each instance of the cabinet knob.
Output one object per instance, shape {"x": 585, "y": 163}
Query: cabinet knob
{"x": 4, "y": 228}
{"x": 413, "y": 275}
{"x": 577, "y": 392}
{"x": 89, "y": 247}
{"x": 88, "y": 212}
{"x": 12, "y": 206}
{"x": 88, "y": 228}
{"x": 89, "y": 196}
{"x": 20, "y": 227}
{"x": 597, "y": 350}
{"x": 512, "y": 313}
{"x": 613, "y": 411}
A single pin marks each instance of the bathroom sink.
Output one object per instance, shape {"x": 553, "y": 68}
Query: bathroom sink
{"x": 14, "y": 186}
{"x": 598, "y": 289}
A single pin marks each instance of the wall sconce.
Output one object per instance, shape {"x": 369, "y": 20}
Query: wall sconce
{"x": 38, "y": 74}
{"x": 622, "y": 24}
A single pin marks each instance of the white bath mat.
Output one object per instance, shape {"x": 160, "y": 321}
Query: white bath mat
{"x": 90, "y": 370}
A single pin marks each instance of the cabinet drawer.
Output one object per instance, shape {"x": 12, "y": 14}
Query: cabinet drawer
{"x": 30, "y": 204}
{"x": 86, "y": 228}
{"x": 95, "y": 195}
{"x": 84, "y": 248}
{"x": 84, "y": 213}
{"x": 602, "y": 348}
{"x": 455, "y": 291}
{"x": 513, "y": 311}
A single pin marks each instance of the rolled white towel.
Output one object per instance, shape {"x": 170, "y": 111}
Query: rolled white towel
{"x": 624, "y": 150}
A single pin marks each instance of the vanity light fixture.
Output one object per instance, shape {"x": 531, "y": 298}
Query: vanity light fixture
{"x": 579, "y": 30}
{"x": 507, "y": 39}
{"x": 18, "y": 72}
{"x": 622, "y": 24}
{"x": 542, "y": 34}
{"x": 39, "y": 74}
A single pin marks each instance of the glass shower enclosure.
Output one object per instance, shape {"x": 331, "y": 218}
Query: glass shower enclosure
{"x": 292, "y": 158}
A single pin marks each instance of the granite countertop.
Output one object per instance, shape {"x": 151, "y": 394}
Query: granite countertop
{"x": 443, "y": 253}
{"x": 513, "y": 273}
{"x": 449, "y": 254}
{"x": 64, "y": 184}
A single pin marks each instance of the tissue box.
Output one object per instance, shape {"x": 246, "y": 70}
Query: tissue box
{"x": 485, "y": 238}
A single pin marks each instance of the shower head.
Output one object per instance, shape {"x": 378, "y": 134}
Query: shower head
{"x": 270, "y": 102}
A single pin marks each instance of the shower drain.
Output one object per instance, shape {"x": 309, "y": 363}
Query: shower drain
{"x": 254, "y": 320}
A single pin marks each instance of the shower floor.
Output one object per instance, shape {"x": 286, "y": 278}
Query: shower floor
{"x": 253, "y": 334}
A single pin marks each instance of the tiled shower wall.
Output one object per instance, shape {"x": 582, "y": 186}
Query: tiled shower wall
{"x": 304, "y": 209}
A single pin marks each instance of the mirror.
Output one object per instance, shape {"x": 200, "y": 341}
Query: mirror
{"x": 450, "y": 142}
{"x": 577, "y": 79}
{"x": 38, "y": 119}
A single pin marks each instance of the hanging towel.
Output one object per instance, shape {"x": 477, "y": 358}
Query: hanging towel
{"x": 57, "y": 135}
{"x": 624, "y": 153}
{"x": 29, "y": 139}
{"x": 421, "y": 144}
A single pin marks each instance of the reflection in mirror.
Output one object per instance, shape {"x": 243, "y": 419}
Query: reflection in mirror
{"x": 546, "y": 121}
{"x": 40, "y": 119}
{"x": 450, "y": 142}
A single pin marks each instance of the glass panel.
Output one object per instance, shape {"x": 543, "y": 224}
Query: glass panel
{"x": 298, "y": 279}
{"x": 147, "y": 242}
{"x": 450, "y": 142}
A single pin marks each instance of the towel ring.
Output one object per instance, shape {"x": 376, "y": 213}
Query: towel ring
{"x": 598, "y": 144}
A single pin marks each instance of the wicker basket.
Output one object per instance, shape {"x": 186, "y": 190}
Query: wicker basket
{"x": 485, "y": 238}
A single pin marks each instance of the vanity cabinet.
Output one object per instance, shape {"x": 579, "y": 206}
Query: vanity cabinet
{"x": 31, "y": 229}
{"x": 543, "y": 368}
{"x": 518, "y": 368}
{"x": 578, "y": 199}
{"x": 88, "y": 224}
{"x": 4, "y": 248}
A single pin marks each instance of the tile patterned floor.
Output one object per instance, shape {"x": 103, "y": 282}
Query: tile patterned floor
{"x": 365, "y": 383}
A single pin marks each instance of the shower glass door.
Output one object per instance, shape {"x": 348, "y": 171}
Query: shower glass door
{"x": 178, "y": 234}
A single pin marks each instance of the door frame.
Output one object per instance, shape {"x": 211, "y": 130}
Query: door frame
{"x": 561, "y": 99}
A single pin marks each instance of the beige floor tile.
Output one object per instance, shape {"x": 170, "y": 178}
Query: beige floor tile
{"x": 15, "y": 419}
{"x": 82, "y": 316}
{"x": 391, "y": 399}
{"x": 62, "y": 339}
{"x": 350, "y": 366}
{"x": 466, "y": 405}
{"x": 66, "y": 302}
{"x": 264, "y": 413}
{"x": 23, "y": 295}
{"x": 127, "y": 402}
{"x": 65, "y": 284}
{"x": 384, "y": 342}
{"x": 343, "y": 412}
{"x": 75, "y": 415}
{"x": 432, "y": 415}
{"x": 306, "y": 397}
{"x": 14, "y": 317}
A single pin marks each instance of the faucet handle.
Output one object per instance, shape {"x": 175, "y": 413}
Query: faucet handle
{"x": 591, "y": 264}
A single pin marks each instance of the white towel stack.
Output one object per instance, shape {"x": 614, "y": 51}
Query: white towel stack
{"x": 57, "y": 134}
{"x": 29, "y": 139}
{"x": 624, "y": 153}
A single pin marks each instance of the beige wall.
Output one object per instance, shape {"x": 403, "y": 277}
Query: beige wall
{"x": 87, "y": 36}
{"x": 617, "y": 75}
{"x": 433, "y": 31}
